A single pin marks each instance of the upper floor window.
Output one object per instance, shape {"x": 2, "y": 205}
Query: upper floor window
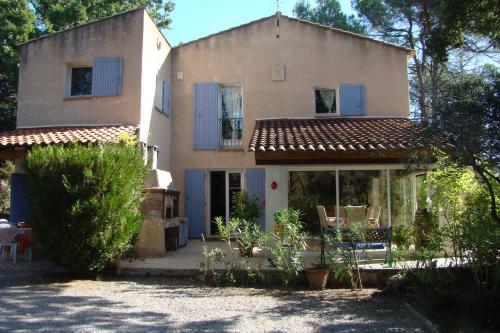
{"x": 102, "y": 78}
{"x": 81, "y": 81}
{"x": 325, "y": 101}
{"x": 231, "y": 117}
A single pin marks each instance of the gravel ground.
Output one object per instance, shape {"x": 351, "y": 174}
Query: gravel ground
{"x": 42, "y": 303}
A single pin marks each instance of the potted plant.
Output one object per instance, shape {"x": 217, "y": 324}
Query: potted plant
{"x": 317, "y": 276}
{"x": 249, "y": 235}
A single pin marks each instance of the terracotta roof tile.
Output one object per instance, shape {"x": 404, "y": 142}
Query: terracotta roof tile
{"x": 337, "y": 134}
{"x": 24, "y": 137}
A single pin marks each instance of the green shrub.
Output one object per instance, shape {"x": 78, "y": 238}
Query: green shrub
{"x": 6, "y": 169}
{"x": 246, "y": 207}
{"x": 85, "y": 201}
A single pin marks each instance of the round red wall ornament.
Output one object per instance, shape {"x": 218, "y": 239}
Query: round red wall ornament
{"x": 274, "y": 185}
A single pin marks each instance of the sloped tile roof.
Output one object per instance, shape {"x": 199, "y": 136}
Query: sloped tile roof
{"x": 25, "y": 137}
{"x": 337, "y": 134}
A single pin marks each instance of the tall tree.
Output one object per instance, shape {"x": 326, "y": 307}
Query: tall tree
{"x": 329, "y": 13}
{"x": 434, "y": 28}
{"x": 55, "y": 15}
{"x": 17, "y": 24}
{"x": 466, "y": 110}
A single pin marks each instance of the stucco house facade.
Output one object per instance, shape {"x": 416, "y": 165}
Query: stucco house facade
{"x": 296, "y": 113}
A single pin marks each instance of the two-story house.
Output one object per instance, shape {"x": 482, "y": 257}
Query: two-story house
{"x": 298, "y": 114}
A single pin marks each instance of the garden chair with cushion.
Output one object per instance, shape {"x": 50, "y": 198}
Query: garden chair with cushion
{"x": 355, "y": 214}
{"x": 325, "y": 221}
{"x": 373, "y": 216}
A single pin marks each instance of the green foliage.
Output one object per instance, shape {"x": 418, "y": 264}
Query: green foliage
{"x": 225, "y": 265}
{"x": 402, "y": 236}
{"x": 17, "y": 24}
{"x": 289, "y": 238}
{"x": 329, "y": 13}
{"x": 467, "y": 235}
{"x": 85, "y": 201}
{"x": 343, "y": 261}
{"x": 245, "y": 207}
{"x": 435, "y": 30}
{"x": 61, "y": 14}
{"x": 467, "y": 112}
{"x": 6, "y": 169}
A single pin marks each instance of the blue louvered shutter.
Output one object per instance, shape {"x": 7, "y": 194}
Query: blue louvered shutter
{"x": 20, "y": 207}
{"x": 256, "y": 186}
{"x": 166, "y": 98}
{"x": 194, "y": 198}
{"x": 206, "y": 116}
{"x": 107, "y": 77}
{"x": 352, "y": 100}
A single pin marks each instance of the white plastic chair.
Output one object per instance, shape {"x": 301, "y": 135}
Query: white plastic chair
{"x": 8, "y": 234}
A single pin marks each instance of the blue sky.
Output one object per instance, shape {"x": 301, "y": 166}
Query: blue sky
{"x": 193, "y": 19}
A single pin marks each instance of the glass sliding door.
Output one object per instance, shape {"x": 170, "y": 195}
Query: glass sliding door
{"x": 363, "y": 197}
{"x": 308, "y": 189}
{"x": 223, "y": 186}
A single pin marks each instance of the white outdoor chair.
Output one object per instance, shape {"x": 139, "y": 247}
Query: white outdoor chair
{"x": 8, "y": 234}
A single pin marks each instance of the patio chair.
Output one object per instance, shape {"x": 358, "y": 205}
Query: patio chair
{"x": 8, "y": 235}
{"x": 355, "y": 214}
{"x": 373, "y": 216}
{"x": 324, "y": 221}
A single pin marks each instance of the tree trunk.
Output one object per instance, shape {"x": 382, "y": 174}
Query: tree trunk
{"x": 493, "y": 206}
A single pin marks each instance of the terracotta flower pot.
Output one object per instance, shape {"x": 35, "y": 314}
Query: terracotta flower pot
{"x": 317, "y": 277}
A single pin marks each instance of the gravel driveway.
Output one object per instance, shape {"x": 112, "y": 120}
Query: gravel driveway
{"x": 157, "y": 305}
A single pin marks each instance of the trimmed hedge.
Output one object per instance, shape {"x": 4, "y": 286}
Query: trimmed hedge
{"x": 85, "y": 201}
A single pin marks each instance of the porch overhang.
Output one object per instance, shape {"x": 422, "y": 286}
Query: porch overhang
{"x": 315, "y": 157}
{"x": 336, "y": 140}
{"x": 16, "y": 143}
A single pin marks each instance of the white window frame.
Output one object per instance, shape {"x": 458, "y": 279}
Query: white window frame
{"x": 209, "y": 197}
{"x": 69, "y": 72}
{"x": 219, "y": 115}
{"x": 337, "y": 101}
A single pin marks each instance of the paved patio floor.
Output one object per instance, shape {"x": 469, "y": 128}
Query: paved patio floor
{"x": 186, "y": 260}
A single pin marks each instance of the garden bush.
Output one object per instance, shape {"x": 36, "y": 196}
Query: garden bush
{"x": 85, "y": 201}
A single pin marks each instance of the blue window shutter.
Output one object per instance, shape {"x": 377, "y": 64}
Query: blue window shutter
{"x": 107, "y": 77}
{"x": 352, "y": 100}
{"x": 166, "y": 98}
{"x": 256, "y": 186}
{"x": 206, "y": 116}
{"x": 194, "y": 198}
{"x": 20, "y": 206}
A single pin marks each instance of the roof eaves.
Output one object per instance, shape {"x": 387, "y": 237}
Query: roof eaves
{"x": 82, "y": 25}
{"x": 403, "y": 48}
{"x": 224, "y": 31}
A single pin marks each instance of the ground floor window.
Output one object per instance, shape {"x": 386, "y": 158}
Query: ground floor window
{"x": 379, "y": 197}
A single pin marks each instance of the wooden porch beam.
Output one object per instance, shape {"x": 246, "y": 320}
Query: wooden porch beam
{"x": 309, "y": 157}
{"x": 12, "y": 154}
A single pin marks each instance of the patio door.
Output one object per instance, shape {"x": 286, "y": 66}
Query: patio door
{"x": 223, "y": 186}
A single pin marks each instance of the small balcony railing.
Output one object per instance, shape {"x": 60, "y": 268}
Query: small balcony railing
{"x": 231, "y": 132}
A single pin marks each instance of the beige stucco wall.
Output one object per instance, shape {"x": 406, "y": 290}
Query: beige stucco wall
{"x": 313, "y": 56}
{"x": 156, "y": 67}
{"x": 45, "y": 64}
